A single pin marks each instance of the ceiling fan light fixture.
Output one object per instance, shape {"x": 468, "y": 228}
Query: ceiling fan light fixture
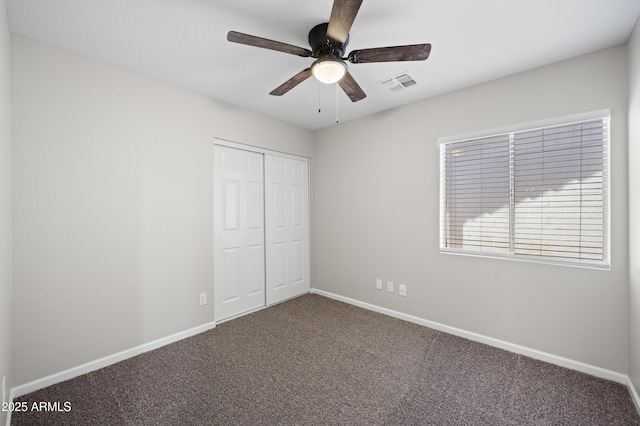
{"x": 329, "y": 70}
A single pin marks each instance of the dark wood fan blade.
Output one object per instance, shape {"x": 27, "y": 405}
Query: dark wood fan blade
{"x": 351, "y": 88}
{"x": 291, "y": 83}
{"x": 342, "y": 16}
{"x": 265, "y": 43}
{"x": 414, "y": 52}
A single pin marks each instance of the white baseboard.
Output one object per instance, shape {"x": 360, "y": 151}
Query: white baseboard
{"x": 501, "y": 344}
{"x": 634, "y": 393}
{"x": 104, "y": 362}
{"x": 9, "y": 412}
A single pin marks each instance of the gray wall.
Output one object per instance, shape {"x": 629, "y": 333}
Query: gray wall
{"x": 634, "y": 207}
{"x": 5, "y": 203}
{"x": 113, "y": 205}
{"x": 376, "y": 189}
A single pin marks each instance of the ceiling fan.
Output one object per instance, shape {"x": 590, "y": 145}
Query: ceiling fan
{"x": 328, "y": 42}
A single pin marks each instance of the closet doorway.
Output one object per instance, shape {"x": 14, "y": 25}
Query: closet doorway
{"x": 261, "y": 228}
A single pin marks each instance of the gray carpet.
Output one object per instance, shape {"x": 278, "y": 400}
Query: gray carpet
{"x": 316, "y": 361}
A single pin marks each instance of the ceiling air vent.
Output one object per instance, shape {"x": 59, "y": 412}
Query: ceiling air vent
{"x": 399, "y": 82}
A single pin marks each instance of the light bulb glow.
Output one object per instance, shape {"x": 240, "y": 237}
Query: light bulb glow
{"x": 328, "y": 70}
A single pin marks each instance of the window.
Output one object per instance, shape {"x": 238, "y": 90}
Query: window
{"x": 538, "y": 194}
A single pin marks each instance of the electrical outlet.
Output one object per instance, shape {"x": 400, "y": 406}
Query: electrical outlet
{"x": 390, "y": 286}
{"x": 402, "y": 289}
{"x": 203, "y": 299}
{"x": 379, "y": 284}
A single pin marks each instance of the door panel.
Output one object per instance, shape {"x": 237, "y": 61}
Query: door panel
{"x": 278, "y": 219}
{"x": 255, "y": 211}
{"x": 239, "y": 280}
{"x": 298, "y": 261}
{"x": 231, "y": 274}
{"x": 287, "y": 227}
{"x": 255, "y": 269}
{"x": 231, "y": 204}
{"x": 278, "y": 265}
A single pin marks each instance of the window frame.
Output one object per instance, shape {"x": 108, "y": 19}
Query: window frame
{"x": 605, "y": 263}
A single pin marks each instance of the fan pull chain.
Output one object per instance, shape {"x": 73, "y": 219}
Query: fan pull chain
{"x": 319, "y": 98}
{"x": 337, "y": 103}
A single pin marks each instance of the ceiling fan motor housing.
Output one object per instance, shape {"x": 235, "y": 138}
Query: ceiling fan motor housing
{"x": 322, "y": 46}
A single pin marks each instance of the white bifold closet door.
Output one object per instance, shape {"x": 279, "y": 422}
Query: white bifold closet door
{"x": 238, "y": 261}
{"x": 261, "y": 230}
{"x": 286, "y": 227}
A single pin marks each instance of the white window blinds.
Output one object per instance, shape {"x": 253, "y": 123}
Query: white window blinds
{"x": 538, "y": 193}
{"x": 477, "y": 194}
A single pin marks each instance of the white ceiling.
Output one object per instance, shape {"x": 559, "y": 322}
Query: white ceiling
{"x": 184, "y": 42}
